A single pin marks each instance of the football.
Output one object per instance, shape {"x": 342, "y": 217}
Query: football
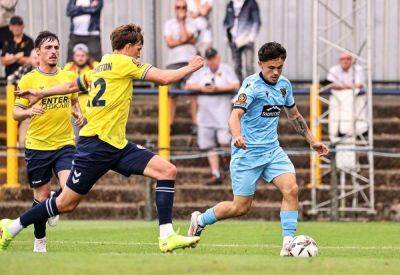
{"x": 303, "y": 246}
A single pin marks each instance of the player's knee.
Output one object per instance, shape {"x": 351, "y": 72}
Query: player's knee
{"x": 170, "y": 171}
{"x": 291, "y": 190}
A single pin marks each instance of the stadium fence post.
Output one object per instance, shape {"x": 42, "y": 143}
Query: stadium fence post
{"x": 315, "y": 113}
{"x": 163, "y": 122}
{"x": 12, "y": 151}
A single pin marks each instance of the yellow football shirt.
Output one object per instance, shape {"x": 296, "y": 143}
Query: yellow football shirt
{"x": 82, "y": 97}
{"x": 53, "y": 129}
{"x": 110, "y": 96}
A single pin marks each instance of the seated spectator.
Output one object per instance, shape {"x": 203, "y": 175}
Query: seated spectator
{"x": 17, "y": 50}
{"x": 179, "y": 34}
{"x": 213, "y": 110}
{"x": 80, "y": 64}
{"x": 242, "y": 23}
{"x": 348, "y": 111}
{"x": 7, "y": 10}
{"x": 85, "y": 26}
{"x": 14, "y": 79}
{"x": 199, "y": 12}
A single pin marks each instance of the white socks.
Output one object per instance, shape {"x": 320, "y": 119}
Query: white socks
{"x": 166, "y": 230}
{"x": 15, "y": 227}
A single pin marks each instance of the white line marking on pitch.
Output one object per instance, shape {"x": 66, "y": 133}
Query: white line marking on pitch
{"x": 221, "y": 245}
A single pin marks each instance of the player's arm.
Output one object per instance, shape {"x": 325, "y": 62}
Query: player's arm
{"x": 301, "y": 128}
{"x": 228, "y": 87}
{"x": 77, "y": 112}
{"x": 234, "y": 125}
{"x": 166, "y": 77}
{"x": 21, "y": 113}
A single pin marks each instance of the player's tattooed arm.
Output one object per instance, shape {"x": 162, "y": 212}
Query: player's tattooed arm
{"x": 301, "y": 128}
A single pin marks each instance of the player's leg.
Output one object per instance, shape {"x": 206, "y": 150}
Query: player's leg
{"x": 40, "y": 194}
{"x": 206, "y": 137}
{"x": 244, "y": 179}
{"x": 281, "y": 173}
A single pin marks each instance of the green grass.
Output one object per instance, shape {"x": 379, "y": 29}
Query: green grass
{"x": 130, "y": 247}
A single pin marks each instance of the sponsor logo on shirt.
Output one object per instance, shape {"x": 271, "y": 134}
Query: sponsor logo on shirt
{"x": 49, "y": 103}
{"x": 271, "y": 110}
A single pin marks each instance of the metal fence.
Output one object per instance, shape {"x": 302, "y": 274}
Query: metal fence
{"x": 286, "y": 21}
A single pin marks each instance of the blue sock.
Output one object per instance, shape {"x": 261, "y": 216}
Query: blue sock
{"x": 208, "y": 217}
{"x": 165, "y": 200}
{"x": 41, "y": 212}
{"x": 289, "y": 222}
{"x": 40, "y": 227}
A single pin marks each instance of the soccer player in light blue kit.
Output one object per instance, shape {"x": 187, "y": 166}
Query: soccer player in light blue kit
{"x": 255, "y": 147}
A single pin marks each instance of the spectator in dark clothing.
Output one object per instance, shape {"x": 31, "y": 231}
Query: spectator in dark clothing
{"x": 242, "y": 23}
{"x": 7, "y": 10}
{"x": 17, "y": 50}
{"x": 85, "y": 26}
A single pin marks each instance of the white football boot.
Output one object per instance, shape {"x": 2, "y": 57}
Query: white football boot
{"x": 194, "y": 228}
{"x": 285, "y": 251}
{"x": 39, "y": 245}
{"x": 53, "y": 220}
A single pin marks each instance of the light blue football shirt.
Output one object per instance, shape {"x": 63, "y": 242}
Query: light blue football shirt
{"x": 263, "y": 103}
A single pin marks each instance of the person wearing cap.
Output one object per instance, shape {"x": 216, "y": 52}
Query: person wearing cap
{"x": 81, "y": 63}
{"x": 213, "y": 110}
{"x": 16, "y": 51}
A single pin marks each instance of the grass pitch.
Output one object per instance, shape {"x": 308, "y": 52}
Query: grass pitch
{"x": 238, "y": 247}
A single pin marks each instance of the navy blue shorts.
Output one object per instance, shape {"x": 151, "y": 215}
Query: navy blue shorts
{"x": 95, "y": 157}
{"x": 40, "y": 164}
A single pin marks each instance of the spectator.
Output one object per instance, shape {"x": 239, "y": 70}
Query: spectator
{"x": 242, "y": 23}
{"x": 213, "y": 110}
{"x": 80, "y": 64}
{"x": 179, "y": 33}
{"x": 199, "y": 12}
{"x": 7, "y": 10}
{"x": 14, "y": 79}
{"x": 347, "y": 109}
{"x": 85, "y": 26}
{"x": 16, "y": 51}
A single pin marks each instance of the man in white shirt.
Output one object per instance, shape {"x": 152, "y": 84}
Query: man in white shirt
{"x": 85, "y": 26}
{"x": 199, "y": 12}
{"x": 348, "y": 111}
{"x": 213, "y": 110}
{"x": 180, "y": 36}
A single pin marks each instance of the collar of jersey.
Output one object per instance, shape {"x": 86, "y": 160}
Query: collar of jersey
{"x": 266, "y": 81}
{"x": 39, "y": 71}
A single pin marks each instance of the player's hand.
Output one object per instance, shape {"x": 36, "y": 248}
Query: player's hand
{"x": 320, "y": 148}
{"x": 196, "y": 62}
{"x": 208, "y": 89}
{"x": 19, "y": 55}
{"x": 79, "y": 119}
{"x": 32, "y": 95}
{"x": 36, "y": 111}
{"x": 239, "y": 142}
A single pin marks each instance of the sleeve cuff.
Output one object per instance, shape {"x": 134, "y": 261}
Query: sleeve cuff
{"x": 239, "y": 107}
{"x": 290, "y": 106}
{"x": 145, "y": 72}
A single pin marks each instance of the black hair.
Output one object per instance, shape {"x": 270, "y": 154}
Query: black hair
{"x": 270, "y": 51}
{"x": 45, "y": 36}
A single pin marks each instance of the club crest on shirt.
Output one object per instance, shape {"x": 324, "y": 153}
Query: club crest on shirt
{"x": 283, "y": 92}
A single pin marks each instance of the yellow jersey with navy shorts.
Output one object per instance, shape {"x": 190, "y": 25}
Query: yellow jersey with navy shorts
{"x": 262, "y": 102}
{"x": 102, "y": 144}
{"x": 50, "y": 142}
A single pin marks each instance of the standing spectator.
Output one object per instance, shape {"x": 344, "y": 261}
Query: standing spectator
{"x": 80, "y": 64}
{"x": 213, "y": 110}
{"x": 16, "y": 51}
{"x": 179, "y": 33}
{"x": 242, "y": 23}
{"x": 199, "y": 11}
{"x": 85, "y": 26}
{"x": 347, "y": 108}
{"x": 7, "y": 10}
{"x": 14, "y": 79}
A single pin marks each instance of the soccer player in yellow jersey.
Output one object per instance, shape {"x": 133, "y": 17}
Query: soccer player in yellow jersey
{"x": 102, "y": 145}
{"x": 50, "y": 138}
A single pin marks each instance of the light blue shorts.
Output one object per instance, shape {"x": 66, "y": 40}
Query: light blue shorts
{"x": 246, "y": 170}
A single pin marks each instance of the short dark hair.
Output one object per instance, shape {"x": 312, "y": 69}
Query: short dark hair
{"x": 45, "y": 36}
{"x": 270, "y": 51}
{"x": 125, "y": 34}
{"x": 16, "y": 20}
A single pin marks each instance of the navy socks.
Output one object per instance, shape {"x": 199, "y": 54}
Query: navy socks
{"x": 40, "y": 213}
{"x": 165, "y": 200}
